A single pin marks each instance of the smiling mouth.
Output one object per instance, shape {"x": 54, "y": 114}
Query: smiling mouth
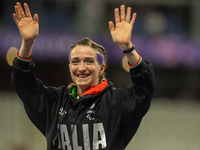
{"x": 82, "y": 76}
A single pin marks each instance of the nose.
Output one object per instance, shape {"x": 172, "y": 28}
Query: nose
{"x": 82, "y": 67}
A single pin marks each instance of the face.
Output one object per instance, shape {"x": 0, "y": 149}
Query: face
{"x": 84, "y": 68}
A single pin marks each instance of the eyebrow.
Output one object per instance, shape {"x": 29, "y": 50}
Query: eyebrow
{"x": 87, "y": 58}
{"x": 84, "y": 58}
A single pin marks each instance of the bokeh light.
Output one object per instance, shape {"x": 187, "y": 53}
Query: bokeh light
{"x": 11, "y": 54}
{"x": 125, "y": 64}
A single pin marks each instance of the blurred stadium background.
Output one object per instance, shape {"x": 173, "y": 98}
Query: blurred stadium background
{"x": 166, "y": 32}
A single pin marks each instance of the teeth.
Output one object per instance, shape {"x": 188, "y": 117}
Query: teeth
{"x": 82, "y": 76}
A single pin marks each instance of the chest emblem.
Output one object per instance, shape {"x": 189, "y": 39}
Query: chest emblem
{"x": 62, "y": 111}
{"x": 91, "y": 112}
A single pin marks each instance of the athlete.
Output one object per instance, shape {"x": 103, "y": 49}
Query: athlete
{"x": 89, "y": 114}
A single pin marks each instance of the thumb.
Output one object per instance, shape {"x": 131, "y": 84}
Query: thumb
{"x": 111, "y": 26}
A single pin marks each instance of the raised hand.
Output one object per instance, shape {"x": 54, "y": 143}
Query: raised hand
{"x": 28, "y": 26}
{"x": 121, "y": 34}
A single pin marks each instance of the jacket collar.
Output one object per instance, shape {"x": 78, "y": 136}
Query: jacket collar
{"x": 93, "y": 90}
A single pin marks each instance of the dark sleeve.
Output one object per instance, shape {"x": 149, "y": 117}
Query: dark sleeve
{"x": 142, "y": 87}
{"x": 136, "y": 98}
{"x": 38, "y": 100}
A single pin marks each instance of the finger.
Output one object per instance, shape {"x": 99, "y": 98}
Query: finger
{"x": 19, "y": 17}
{"x": 15, "y": 19}
{"x": 122, "y": 12}
{"x": 117, "y": 19}
{"x": 20, "y": 10}
{"x": 133, "y": 19}
{"x": 27, "y": 10}
{"x": 128, "y": 15}
{"x": 111, "y": 26}
{"x": 35, "y": 18}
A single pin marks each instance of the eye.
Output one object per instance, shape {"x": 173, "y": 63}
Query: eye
{"x": 74, "y": 61}
{"x": 90, "y": 61}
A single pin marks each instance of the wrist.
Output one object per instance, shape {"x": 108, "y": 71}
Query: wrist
{"x": 28, "y": 43}
{"x": 26, "y": 49}
{"x": 24, "y": 59}
{"x": 136, "y": 64}
{"x": 126, "y": 46}
{"x": 129, "y": 50}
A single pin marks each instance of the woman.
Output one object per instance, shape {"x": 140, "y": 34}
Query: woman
{"x": 91, "y": 113}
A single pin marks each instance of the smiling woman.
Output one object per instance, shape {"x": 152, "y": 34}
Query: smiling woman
{"x": 84, "y": 67}
{"x": 91, "y": 113}
{"x": 87, "y": 63}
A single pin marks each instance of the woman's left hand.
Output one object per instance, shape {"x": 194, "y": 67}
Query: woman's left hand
{"x": 121, "y": 34}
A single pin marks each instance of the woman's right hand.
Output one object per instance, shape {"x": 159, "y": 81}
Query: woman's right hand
{"x": 28, "y": 26}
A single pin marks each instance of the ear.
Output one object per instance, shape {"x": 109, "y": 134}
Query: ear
{"x": 69, "y": 67}
{"x": 102, "y": 68}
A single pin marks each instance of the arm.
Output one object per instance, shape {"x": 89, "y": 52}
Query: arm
{"x": 28, "y": 28}
{"x": 134, "y": 99}
{"x": 121, "y": 34}
{"x": 23, "y": 77}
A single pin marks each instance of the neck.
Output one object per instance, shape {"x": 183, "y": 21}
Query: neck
{"x": 81, "y": 90}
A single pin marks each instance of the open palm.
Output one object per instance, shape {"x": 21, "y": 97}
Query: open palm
{"x": 28, "y": 26}
{"x": 121, "y": 34}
